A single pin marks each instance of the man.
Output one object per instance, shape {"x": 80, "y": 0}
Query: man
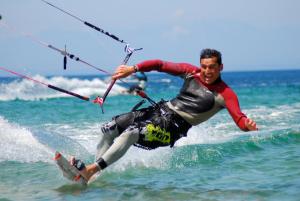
{"x": 202, "y": 95}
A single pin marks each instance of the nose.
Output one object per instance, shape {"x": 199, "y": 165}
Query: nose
{"x": 209, "y": 70}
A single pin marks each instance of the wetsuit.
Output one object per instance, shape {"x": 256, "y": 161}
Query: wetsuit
{"x": 162, "y": 125}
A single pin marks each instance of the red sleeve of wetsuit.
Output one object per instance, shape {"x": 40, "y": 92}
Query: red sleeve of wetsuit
{"x": 233, "y": 107}
{"x": 167, "y": 67}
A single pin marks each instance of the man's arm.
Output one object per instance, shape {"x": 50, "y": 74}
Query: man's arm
{"x": 167, "y": 67}
{"x": 233, "y": 107}
{"x": 155, "y": 65}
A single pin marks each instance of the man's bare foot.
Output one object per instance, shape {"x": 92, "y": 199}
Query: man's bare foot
{"x": 86, "y": 171}
{"x": 89, "y": 171}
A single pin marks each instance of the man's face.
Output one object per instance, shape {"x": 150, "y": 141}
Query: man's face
{"x": 210, "y": 70}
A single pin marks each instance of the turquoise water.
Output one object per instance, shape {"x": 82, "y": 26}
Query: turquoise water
{"x": 216, "y": 161}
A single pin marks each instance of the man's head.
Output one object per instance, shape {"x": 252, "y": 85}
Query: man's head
{"x": 211, "y": 65}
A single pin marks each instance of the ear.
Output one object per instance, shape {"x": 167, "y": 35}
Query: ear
{"x": 221, "y": 67}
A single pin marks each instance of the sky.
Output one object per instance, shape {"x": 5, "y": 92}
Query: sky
{"x": 251, "y": 35}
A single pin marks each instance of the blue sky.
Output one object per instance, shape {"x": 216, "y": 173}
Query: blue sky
{"x": 252, "y": 35}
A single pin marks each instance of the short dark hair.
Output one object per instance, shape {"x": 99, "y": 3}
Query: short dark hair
{"x": 209, "y": 53}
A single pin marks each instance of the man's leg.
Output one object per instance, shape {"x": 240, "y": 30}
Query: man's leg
{"x": 109, "y": 133}
{"x": 114, "y": 152}
{"x": 120, "y": 146}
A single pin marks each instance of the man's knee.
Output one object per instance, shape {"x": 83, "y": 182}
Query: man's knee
{"x": 130, "y": 135}
{"x": 110, "y": 129}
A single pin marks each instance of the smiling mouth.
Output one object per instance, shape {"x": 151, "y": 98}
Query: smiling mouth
{"x": 208, "y": 76}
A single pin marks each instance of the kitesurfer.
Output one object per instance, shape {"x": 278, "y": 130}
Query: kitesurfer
{"x": 202, "y": 95}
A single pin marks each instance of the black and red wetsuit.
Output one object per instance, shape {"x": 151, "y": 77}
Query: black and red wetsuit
{"x": 164, "y": 124}
{"x": 198, "y": 101}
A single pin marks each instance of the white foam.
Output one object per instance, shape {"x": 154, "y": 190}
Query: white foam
{"x": 136, "y": 157}
{"x": 18, "y": 144}
{"x": 28, "y": 90}
{"x": 87, "y": 134}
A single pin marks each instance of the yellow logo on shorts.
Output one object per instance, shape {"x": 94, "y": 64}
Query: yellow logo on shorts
{"x": 155, "y": 133}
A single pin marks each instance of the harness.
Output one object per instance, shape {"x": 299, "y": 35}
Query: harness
{"x": 158, "y": 125}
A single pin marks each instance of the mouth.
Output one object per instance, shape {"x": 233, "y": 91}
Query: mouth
{"x": 208, "y": 77}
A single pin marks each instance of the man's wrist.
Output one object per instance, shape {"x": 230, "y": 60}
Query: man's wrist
{"x": 135, "y": 68}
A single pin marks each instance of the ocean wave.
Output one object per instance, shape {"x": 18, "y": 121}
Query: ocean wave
{"x": 84, "y": 137}
{"x": 209, "y": 141}
{"x": 18, "y": 144}
{"x": 27, "y": 90}
{"x": 198, "y": 154}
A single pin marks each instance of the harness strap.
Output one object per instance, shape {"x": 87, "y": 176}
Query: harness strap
{"x": 163, "y": 124}
{"x": 139, "y": 104}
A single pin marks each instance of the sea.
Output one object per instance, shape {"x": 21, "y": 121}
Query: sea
{"x": 215, "y": 162}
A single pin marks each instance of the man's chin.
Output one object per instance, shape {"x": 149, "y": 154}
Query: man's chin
{"x": 208, "y": 81}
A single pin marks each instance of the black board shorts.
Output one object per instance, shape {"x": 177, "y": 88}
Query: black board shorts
{"x": 158, "y": 125}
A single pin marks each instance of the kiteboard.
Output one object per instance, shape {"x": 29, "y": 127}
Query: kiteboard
{"x": 69, "y": 172}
